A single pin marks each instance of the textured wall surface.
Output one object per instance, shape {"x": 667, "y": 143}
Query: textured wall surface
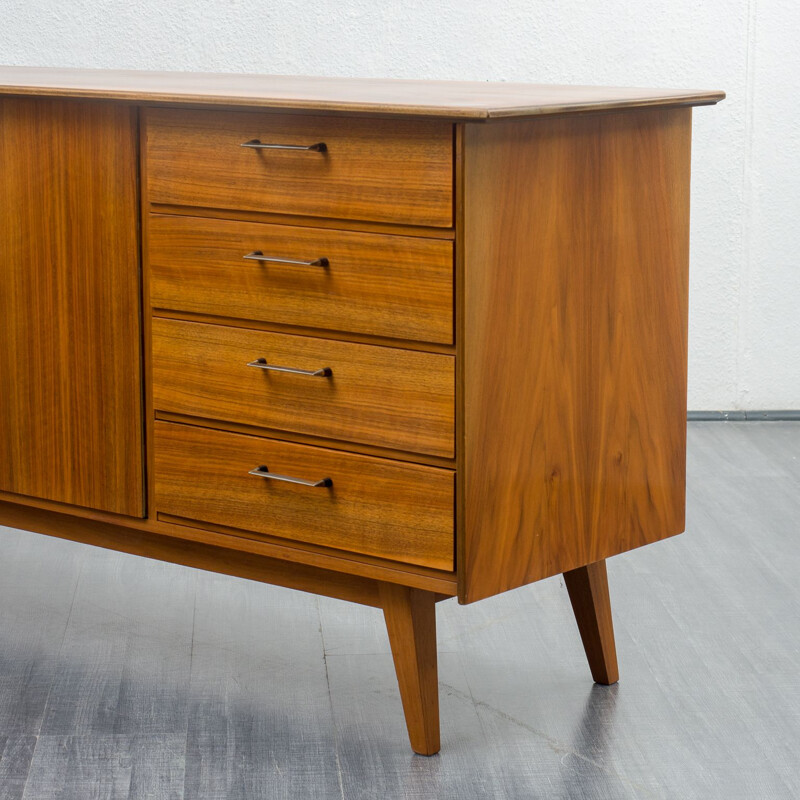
{"x": 745, "y": 320}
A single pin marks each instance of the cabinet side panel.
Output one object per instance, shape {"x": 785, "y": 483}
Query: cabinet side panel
{"x": 576, "y": 247}
{"x": 70, "y": 376}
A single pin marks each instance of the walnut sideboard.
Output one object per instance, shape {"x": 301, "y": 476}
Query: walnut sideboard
{"x": 386, "y": 341}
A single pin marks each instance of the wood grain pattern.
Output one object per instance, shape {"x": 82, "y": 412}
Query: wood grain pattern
{"x": 299, "y": 330}
{"x": 394, "y": 286}
{"x": 200, "y": 555}
{"x": 588, "y": 593}
{"x": 385, "y": 171}
{"x": 576, "y": 265}
{"x": 17, "y": 512}
{"x": 375, "y": 395}
{"x": 70, "y": 417}
{"x": 300, "y": 221}
{"x": 384, "y": 508}
{"x": 315, "y": 441}
{"x": 147, "y": 324}
{"x": 447, "y": 99}
{"x": 707, "y": 627}
{"x": 411, "y": 624}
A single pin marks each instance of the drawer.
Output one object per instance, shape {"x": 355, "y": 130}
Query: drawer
{"x": 395, "y": 286}
{"x": 370, "y": 169}
{"x": 374, "y": 506}
{"x": 380, "y": 396}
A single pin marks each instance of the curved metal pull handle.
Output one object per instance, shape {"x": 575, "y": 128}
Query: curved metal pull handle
{"x": 263, "y": 472}
{"x": 261, "y": 363}
{"x": 257, "y": 144}
{"x": 258, "y": 255}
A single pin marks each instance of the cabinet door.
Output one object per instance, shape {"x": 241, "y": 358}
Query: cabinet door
{"x": 70, "y": 343}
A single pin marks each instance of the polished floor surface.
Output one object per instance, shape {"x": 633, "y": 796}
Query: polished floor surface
{"x": 122, "y": 677}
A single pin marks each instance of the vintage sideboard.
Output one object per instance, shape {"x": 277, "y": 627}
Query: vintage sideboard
{"x": 387, "y": 341}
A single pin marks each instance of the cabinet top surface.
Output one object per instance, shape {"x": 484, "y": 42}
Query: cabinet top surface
{"x": 443, "y": 99}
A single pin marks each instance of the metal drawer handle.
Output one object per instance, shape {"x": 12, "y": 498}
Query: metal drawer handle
{"x": 263, "y": 472}
{"x": 261, "y": 363}
{"x": 257, "y": 144}
{"x": 258, "y": 255}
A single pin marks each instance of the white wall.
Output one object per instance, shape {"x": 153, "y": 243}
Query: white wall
{"x": 745, "y": 289}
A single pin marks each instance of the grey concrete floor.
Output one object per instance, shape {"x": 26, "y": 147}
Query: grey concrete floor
{"x": 122, "y": 677}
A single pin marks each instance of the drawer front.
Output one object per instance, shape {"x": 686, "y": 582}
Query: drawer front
{"x": 380, "y": 396}
{"x": 375, "y": 506}
{"x": 394, "y": 286}
{"x": 380, "y": 170}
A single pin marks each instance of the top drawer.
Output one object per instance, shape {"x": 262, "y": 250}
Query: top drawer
{"x": 397, "y": 171}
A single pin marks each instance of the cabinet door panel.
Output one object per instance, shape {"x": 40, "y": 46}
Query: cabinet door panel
{"x": 70, "y": 363}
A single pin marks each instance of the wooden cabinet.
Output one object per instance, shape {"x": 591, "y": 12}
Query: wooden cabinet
{"x": 377, "y": 284}
{"x": 360, "y": 504}
{"x": 398, "y": 171}
{"x": 307, "y": 385}
{"x": 70, "y": 335}
{"x": 401, "y": 341}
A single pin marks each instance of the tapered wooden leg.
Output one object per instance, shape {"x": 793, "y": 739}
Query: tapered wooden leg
{"x": 411, "y": 621}
{"x": 588, "y": 592}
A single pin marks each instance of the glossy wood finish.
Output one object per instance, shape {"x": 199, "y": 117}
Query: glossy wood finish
{"x": 301, "y": 438}
{"x": 389, "y": 509}
{"x": 390, "y": 286}
{"x": 386, "y": 171}
{"x": 300, "y": 221}
{"x": 503, "y": 309}
{"x": 448, "y": 99}
{"x": 14, "y": 511}
{"x": 576, "y": 247}
{"x": 279, "y": 684}
{"x": 374, "y": 395}
{"x": 199, "y": 555}
{"x": 70, "y": 414}
{"x": 588, "y": 593}
{"x": 411, "y": 623}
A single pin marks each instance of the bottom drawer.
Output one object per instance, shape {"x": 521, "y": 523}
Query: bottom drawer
{"x": 375, "y": 506}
